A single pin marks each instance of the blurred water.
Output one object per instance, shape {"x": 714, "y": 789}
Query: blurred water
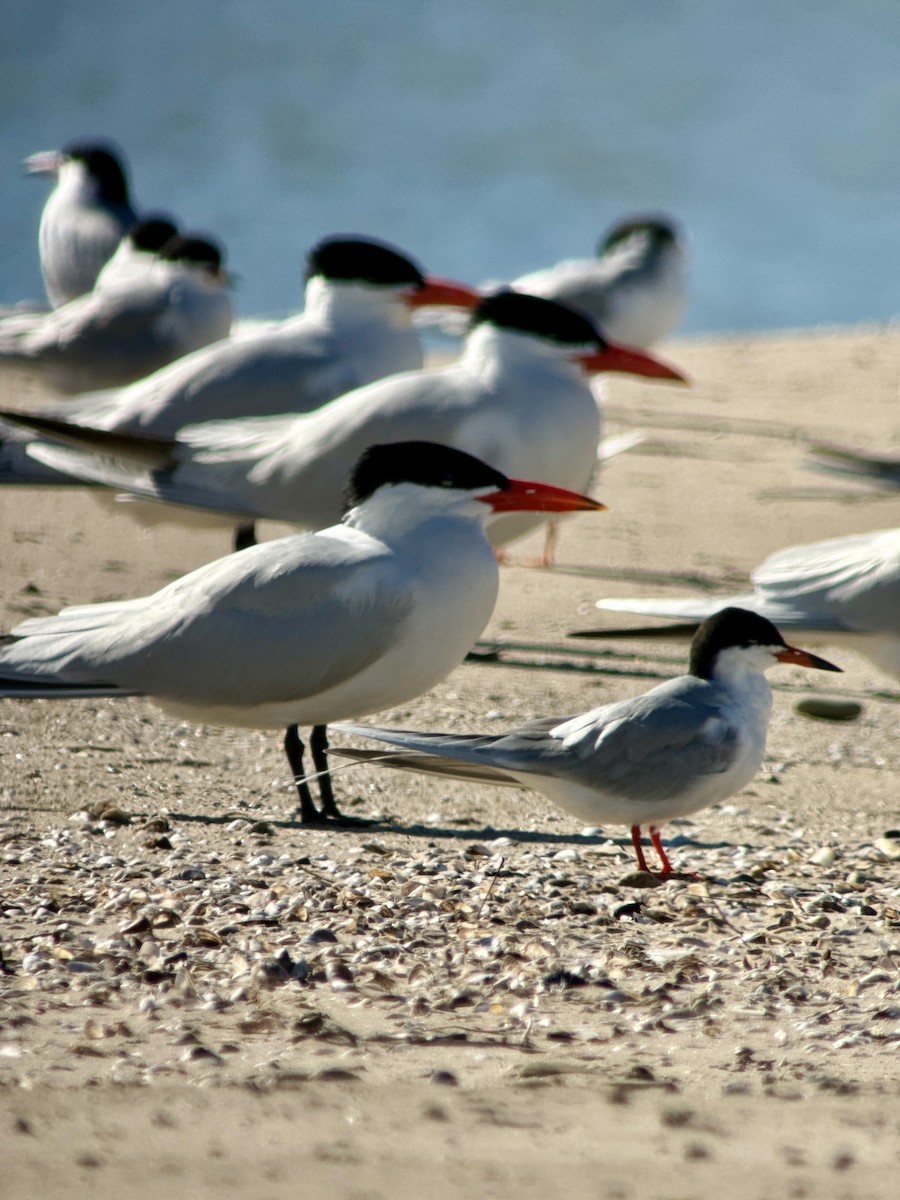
{"x": 487, "y": 137}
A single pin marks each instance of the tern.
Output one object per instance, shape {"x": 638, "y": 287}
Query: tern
{"x": 137, "y": 251}
{"x": 636, "y": 287}
{"x": 689, "y": 742}
{"x": 845, "y": 591}
{"x": 518, "y": 396}
{"x": 85, "y": 217}
{"x": 306, "y": 629}
{"x": 355, "y": 328}
{"x": 130, "y": 326}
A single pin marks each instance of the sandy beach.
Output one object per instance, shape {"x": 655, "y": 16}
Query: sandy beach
{"x": 471, "y": 997}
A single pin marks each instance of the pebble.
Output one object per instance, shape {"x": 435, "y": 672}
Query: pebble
{"x": 826, "y": 708}
{"x": 509, "y": 934}
{"x": 823, "y": 857}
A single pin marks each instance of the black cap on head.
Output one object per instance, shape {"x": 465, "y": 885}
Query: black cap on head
{"x": 426, "y": 463}
{"x": 152, "y": 232}
{"x": 727, "y": 628}
{"x": 661, "y": 230}
{"x": 352, "y": 259}
{"x": 106, "y": 163}
{"x": 192, "y": 247}
{"x": 521, "y": 313}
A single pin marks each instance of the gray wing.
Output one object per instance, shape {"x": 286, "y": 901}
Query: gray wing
{"x": 280, "y": 621}
{"x": 852, "y": 582}
{"x": 842, "y": 585}
{"x": 645, "y": 749}
{"x": 104, "y": 339}
{"x": 289, "y": 369}
{"x": 76, "y": 245}
{"x": 653, "y": 746}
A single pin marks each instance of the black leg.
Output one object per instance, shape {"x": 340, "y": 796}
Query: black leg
{"x": 245, "y": 535}
{"x": 293, "y": 748}
{"x": 318, "y": 744}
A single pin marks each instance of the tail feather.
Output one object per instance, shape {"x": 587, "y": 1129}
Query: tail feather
{"x": 33, "y": 689}
{"x": 421, "y": 763}
{"x": 662, "y": 633}
{"x": 149, "y": 451}
{"x": 695, "y": 608}
{"x": 785, "y": 615}
{"x": 137, "y": 483}
{"x": 17, "y": 467}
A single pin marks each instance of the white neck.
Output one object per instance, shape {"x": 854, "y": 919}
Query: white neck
{"x": 75, "y": 183}
{"x": 352, "y": 303}
{"x": 393, "y": 511}
{"x": 487, "y": 348}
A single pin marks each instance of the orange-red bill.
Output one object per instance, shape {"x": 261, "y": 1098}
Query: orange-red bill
{"x": 523, "y": 495}
{"x": 629, "y": 361}
{"x": 803, "y": 658}
{"x": 444, "y": 292}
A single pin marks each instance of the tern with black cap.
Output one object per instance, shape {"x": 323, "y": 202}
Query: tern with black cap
{"x": 689, "y": 742}
{"x": 129, "y": 327}
{"x": 84, "y": 218}
{"x": 519, "y": 396}
{"x": 306, "y": 629}
{"x": 635, "y": 288}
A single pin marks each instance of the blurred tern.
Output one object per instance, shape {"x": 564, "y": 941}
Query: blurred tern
{"x": 128, "y": 328}
{"x": 137, "y": 251}
{"x": 310, "y": 628}
{"x": 519, "y": 396}
{"x": 85, "y": 217}
{"x": 688, "y": 743}
{"x": 355, "y": 328}
{"x": 844, "y": 591}
{"x": 636, "y": 287}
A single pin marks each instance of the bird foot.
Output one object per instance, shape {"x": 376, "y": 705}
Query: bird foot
{"x": 335, "y": 820}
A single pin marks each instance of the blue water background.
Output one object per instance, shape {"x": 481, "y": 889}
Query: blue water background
{"x": 487, "y": 137}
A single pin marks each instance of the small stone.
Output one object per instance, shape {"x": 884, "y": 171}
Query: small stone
{"x": 823, "y": 857}
{"x": 443, "y": 1079}
{"x": 824, "y": 708}
{"x": 322, "y": 935}
{"x": 191, "y": 874}
{"x": 202, "y": 1054}
{"x": 641, "y": 879}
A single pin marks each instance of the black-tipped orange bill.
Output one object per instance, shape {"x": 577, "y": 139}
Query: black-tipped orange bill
{"x": 803, "y": 658}
{"x": 445, "y": 292}
{"x": 629, "y": 361}
{"x": 524, "y": 496}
